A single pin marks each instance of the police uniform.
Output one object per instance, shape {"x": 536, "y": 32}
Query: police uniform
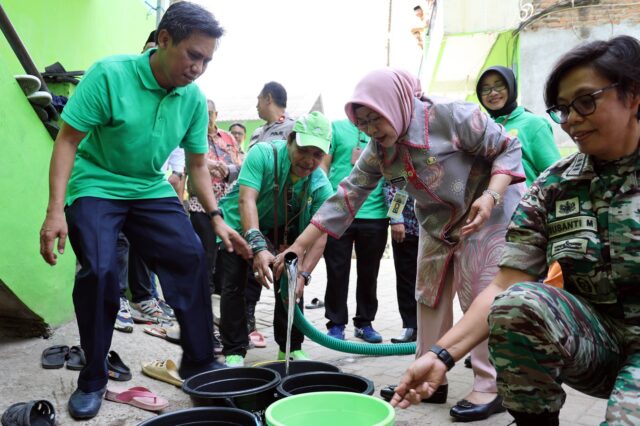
{"x": 276, "y": 131}
{"x": 584, "y": 214}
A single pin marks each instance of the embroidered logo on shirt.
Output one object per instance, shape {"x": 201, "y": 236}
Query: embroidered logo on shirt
{"x": 574, "y": 245}
{"x": 567, "y": 207}
{"x": 574, "y": 224}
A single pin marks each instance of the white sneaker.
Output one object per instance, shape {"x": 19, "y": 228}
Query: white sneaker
{"x": 124, "y": 322}
{"x": 148, "y": 311}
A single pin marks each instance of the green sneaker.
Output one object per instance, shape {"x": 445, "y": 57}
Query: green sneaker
{"x": 234, "y": 361}
{"x": 298, "y": 355}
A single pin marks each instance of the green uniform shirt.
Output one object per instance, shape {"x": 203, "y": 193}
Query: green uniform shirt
{"x": 132, "y": 125}
{"x": 345, "y": 137}
{"x": 584, "y": 216}
{"x": 539, "y": 149}
{"x": 257, "y": 173}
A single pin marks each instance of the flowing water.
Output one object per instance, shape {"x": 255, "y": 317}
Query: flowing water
{"x": 291, "y": 264}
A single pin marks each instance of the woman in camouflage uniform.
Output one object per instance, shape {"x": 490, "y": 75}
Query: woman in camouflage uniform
{"x": 584, "y": 213}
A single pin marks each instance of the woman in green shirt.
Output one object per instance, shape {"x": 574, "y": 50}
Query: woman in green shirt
{"x": 497, "y": 91}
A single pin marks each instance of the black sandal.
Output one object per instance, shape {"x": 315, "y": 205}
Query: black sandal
{"x": 117, "y": 369}
{"x": 34, "y": 413}
{"x": 76, "y": 359}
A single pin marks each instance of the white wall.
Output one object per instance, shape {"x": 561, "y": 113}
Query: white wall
{"x": 539, "y": 51}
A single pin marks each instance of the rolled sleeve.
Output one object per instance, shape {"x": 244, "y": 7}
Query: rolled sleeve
{"x": 526, "y": 239}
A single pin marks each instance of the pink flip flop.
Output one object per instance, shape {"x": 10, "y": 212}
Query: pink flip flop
{"x": 137, "y": 396}
{"x": 258, "y": 339}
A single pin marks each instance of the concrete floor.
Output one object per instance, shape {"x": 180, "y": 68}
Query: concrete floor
{"x": 25, "y": 380}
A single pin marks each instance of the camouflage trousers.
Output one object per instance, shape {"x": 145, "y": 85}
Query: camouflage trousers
{"x": 541, "y": 337}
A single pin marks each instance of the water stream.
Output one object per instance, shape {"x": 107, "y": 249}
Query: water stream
{"x": 291, "y": 264}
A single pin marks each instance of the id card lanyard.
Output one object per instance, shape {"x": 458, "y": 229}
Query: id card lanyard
{"x": 398, "y": 202}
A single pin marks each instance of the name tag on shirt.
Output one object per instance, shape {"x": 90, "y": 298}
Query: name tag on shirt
{"x": 397, "y": 204}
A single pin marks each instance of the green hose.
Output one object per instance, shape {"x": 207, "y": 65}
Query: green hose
{"x": 342, "y": 345}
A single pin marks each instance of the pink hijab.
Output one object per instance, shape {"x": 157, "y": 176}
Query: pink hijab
{"x": 390, "y": 93}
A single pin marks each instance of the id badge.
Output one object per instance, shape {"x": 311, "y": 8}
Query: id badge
{"x": 397, "y": 204}
{"x": 355, "y": 154}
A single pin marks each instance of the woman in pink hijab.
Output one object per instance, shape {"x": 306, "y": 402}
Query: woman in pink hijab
{"x": 464, "y": 172}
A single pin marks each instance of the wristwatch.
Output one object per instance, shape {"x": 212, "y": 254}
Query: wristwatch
{"x": 214, "y": 213}
{"x": 443, "y": 355}
{"x": 497, "y": 198}
{"x": 179, "y": 174}
{"x": 307, "y": 277}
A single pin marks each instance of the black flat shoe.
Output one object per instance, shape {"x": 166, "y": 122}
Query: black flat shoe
{"x": 408, "y": 335}
{"x": 187, "y": 370}
{"x": 85, "y": 405}
{"x": 438, "y": 397}
{"x": 465, "y": 411}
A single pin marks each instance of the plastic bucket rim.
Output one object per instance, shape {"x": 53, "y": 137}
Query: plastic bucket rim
{"x": 286, "y": 394}
{"x": 233, "y": 394}
{"x": 171, "y": 414}
{"x": 391, "y": 414}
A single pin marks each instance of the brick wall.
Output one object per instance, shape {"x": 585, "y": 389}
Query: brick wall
{"x": 599, "y": 12}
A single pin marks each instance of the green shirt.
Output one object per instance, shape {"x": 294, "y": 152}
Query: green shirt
{"x": 132, "y": 125}
{"x": 345, "y": 137}
{"x": 257, "y": 173}
{"x": 539, "y": 149}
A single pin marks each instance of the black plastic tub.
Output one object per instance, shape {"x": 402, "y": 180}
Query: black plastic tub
{"x": 210, "y": 416}
{"x": 297, "y": 384}
{"x": 297, "y": 367}
{"x": 247, "y": 388}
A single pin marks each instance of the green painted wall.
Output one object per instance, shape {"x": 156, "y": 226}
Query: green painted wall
{"x": 506, "y": 52}
{"x": 75, "y": 33}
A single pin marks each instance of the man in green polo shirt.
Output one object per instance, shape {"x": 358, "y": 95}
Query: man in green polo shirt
{"x": 126, "y": 116}
{"x": 301, "y": 189}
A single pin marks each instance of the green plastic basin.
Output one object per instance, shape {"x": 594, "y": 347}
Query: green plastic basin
{"x": 330, "y": 408}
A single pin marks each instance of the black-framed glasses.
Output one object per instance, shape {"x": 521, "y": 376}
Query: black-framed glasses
{"x": 584, "y": 105}
{"x": 499, "y": 87}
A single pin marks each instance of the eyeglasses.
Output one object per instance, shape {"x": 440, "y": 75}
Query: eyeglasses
{"x": 584, "y": 105}
{"x": 499, "y": 87}
{"x": 364, "y": 124}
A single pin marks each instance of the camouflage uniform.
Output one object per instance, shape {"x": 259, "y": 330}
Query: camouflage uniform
{"x": 586, "y": 216}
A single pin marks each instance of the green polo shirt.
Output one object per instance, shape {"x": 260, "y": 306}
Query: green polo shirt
{"x": 132, "y": 125}
{"x": 539, "y": 150}
{"x": 345, "y": 137}
{"x": 257, "y": 173}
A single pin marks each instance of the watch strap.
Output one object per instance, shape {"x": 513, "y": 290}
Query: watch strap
{"x": 214, "y": 213}
{"x": 497, "y": 198}
{"x": 443, "y": 355}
